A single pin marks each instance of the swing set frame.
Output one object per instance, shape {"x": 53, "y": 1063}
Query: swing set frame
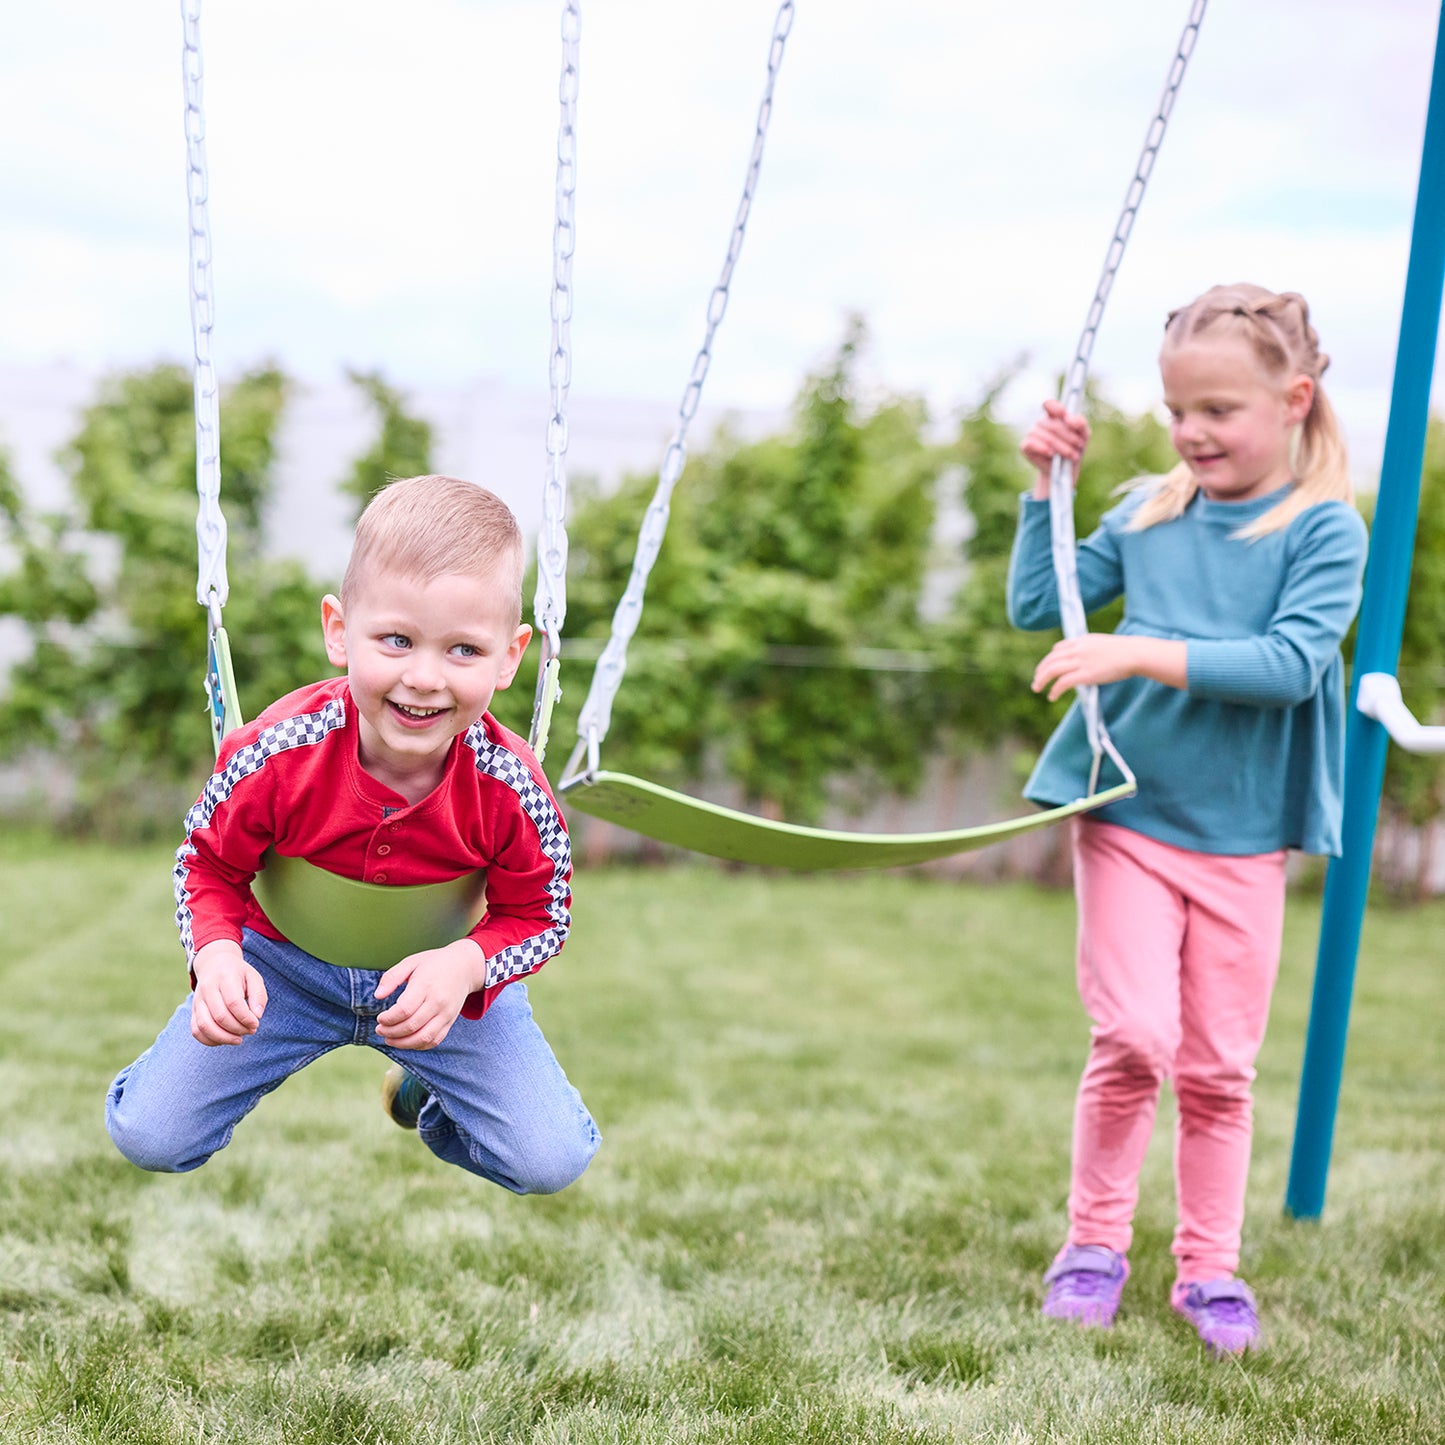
{"x": 339, "y": 913}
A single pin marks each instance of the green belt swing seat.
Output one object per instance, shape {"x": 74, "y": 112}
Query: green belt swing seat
{"x": 703, "y": 827}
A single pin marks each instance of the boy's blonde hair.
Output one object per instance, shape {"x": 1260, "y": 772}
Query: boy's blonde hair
{"x": 433, "y": 526}
{"x": 1276, "y": 327}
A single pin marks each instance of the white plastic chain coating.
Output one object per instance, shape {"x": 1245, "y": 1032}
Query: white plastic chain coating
{"x": 211, "y": 586}
{"x": 550, "y": 606}
{"x": 1061, "y": 479}
{"x": 596, "y": 714}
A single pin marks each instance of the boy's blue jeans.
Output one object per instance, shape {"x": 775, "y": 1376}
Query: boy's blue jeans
{"x": 500, "y": 1107}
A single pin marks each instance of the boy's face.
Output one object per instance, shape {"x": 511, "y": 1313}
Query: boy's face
{"x": 424, "y": 660}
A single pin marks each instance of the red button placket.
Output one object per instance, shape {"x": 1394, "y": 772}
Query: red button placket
{"x": 383, "y": 844}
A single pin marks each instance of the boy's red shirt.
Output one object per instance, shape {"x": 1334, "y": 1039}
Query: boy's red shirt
{"x": 291, "y": 780}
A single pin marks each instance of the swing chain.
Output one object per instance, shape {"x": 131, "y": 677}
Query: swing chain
{"x": 1061, "y": 476}
{"x": 1078, "y": 371}
{"x": 596, "y": 716}
{"x": 550, "y": 602}
{"x": 551, "y": 599}
{"x": 211, "y": 585}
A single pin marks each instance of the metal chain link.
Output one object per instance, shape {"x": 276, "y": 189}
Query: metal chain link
{"x": 550, "y": 603}
{"x": 211, "y": 584}
{"x": 551, "y": 599}
{"x": 596, "y": 716}
{"x": 1061, "y": 476}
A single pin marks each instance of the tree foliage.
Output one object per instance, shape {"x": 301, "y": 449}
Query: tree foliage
{"x": 785, "y": 644}
{"x": 106, "y": 588}
{"x": 403, "y": 445}
{"x": 788, "y": 563}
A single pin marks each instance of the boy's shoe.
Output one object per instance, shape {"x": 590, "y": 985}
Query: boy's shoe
{"x": 402, "y": 1096}
{"x": 1222, "y": 1310}
{"x": 1085, "y": 1283}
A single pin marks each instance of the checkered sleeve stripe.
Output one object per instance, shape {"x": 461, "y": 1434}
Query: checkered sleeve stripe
{"x": 293, "y": 732}
{"x": 495, "y": 761}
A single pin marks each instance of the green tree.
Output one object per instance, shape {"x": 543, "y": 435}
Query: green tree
{"x": 662, "y": 715}
{"x": 787, "y": 560}
{"x": 106, "y": 589}
{"x": 48, "y": 590}
{"x": 403, "y": 445}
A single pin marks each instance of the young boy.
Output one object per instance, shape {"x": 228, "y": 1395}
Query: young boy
{"x": 394, "y": 774}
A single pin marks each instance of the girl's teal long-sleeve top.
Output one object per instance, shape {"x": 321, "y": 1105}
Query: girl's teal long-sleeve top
{"x": 1248, "y": 758}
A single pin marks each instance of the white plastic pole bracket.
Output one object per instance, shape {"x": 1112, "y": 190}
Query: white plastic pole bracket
{"x": 1378, "y": 696}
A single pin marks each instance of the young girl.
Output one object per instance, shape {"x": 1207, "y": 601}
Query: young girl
{"x": 1223, "y": 687}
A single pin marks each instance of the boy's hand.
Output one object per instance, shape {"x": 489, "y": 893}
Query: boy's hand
{"x": 437, "y": 981}
{"x": 1056, "y": 434}
{"x": 230, "y": 995}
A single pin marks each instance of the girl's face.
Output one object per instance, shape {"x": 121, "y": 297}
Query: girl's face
{"x": 1231, "y": 420}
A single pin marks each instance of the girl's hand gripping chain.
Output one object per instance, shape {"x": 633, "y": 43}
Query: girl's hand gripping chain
{"x": 1057, "y": 433}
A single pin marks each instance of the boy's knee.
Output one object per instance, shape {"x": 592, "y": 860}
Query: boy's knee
{"x": 148, "y": 1149}
{"x": 563, "y": 1164}
{"x": 147, "y": 1146}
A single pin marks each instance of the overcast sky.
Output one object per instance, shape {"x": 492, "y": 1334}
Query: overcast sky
{"x": 382, "y": 182}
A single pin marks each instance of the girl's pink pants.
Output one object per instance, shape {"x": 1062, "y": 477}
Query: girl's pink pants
{"x": 1178, "y": 953}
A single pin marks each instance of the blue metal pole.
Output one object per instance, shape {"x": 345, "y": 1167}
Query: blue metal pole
{"x": 1382, "y": 621}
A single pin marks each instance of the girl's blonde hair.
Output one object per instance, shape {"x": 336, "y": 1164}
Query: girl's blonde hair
{"x": 1276, "y": 327}
{"x": 429, "y": 527}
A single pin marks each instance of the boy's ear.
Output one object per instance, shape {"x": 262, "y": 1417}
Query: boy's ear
{"x": 513, "y": 659}
{"x": 333, "y": 630}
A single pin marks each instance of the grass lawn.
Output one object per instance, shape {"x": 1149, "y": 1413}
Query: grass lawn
{"x": 836, "y": 1116}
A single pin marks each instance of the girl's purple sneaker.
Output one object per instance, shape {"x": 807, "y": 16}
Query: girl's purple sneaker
{"x": 1222, "y": 1310}
{"x": 1085, "y": 1282}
